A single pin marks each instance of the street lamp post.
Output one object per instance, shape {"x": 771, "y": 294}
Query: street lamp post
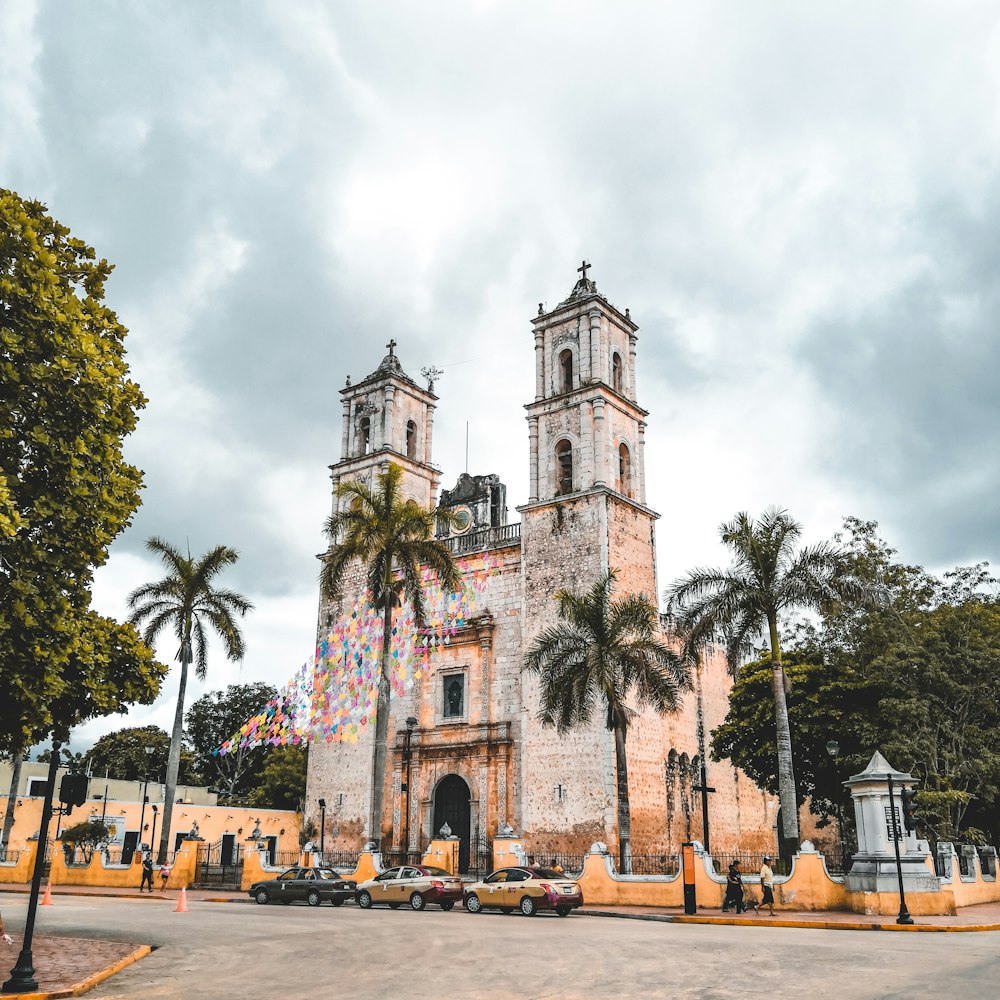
{"x": 322, "y": 829}
{"x": 833, "y": 749}
{"x": 152, "y": 836}
{"x": 22, "y": 976}
{"x": 145, "y": 794}
{"x": 411, "y": 724}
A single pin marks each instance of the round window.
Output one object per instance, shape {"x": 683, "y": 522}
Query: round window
{"x": 463, "y": 520}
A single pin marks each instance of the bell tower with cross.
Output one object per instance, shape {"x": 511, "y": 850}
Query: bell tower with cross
{"x": 388, "y": 417}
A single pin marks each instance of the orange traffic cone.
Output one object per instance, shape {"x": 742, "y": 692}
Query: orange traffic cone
{"x": 47, "y": 898}
{"x": 182, "y": 902}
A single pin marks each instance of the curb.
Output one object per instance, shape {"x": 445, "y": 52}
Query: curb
{"x": 78, "y": 989}
{"x": 60, "y": 891}
{"x": 823, "y": 925}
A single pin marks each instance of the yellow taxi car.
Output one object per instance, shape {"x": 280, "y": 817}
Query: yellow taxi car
{"x": 528, "y": 889}
{"x": 414, "y": 885}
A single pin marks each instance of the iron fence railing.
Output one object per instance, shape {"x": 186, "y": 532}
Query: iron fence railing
{"x": 655, "y": 864}
{"x": 967, "y": 863}
{"x": 9, "y": 855}
{"x": 339, "y": 860}
{"x": 393, "y": 858}
{"x": 284, "y": 859}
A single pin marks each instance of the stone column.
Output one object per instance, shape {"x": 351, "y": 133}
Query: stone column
{"x": 596, "y": 354}
{"x": 600, "y": 450}
{"x": 345, "y": 438}
{"x": 485, "y": 649}
{"x": 387, "y": 416}
{"x": 639, "y": 460}
{"x": 583, "y": 339}
{"x": 631, "y": 390}
{"x": 428, "y": 430}
{"x": 588, "y": 473}
{"x": 532, "y": 459}
{"x": 539, "y": 364}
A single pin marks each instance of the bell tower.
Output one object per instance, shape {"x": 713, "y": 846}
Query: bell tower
{"x": 388, "y": 418}
{"x": 586, "y": 514}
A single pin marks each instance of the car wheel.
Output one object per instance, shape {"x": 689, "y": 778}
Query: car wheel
{"x": 262, "y": 896}
{"x": 417, "y": 901}
{"x": 473, "y": 903}
{"x": 365, "y": 900}
{"x": 563, "y": 911}
{"x": 337, "y": 900}
{"x": 447, "y": 904}
{"x": 313, "y": 898}
{"x": 528, "y": 907}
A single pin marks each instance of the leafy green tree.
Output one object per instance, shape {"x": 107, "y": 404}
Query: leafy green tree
{"x": 66, "y": 405}
{"x": 281, "y": 783}
{"x": 602, "y": 654}
{"x": 391, "y": 538}
{"x": 187, "y": 602}
{"x": 86, "y": 836}
{"x": 739, "y": 605}
{"x": 211, "y": 720}
{"x": 122, "y": 754}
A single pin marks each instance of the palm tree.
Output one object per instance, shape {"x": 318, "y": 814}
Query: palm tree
{"x": 739, "y": 605}
{"x": 186, "y": 601}
{"x": 392, "y": 538}
{"x": 601, "y": 653}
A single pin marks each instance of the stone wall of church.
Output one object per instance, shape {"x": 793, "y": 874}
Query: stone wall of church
{"x": 568, "y": 794}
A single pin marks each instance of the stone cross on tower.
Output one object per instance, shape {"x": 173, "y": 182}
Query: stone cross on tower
{"x": 583, "y": 268}
{"x": 391, "y": 345}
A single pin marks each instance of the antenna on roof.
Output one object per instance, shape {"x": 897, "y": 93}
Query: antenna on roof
{"x": 466, "y": 447}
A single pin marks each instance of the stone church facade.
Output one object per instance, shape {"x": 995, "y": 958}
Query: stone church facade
{"x": 465, "y": 743}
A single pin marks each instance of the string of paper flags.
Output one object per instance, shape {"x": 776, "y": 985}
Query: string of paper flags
{"x": 334, "y": 695}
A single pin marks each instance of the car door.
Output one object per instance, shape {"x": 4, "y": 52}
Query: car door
{"x": 496, "y": 886}
{"x": 406, "y": 883}
{"x": 516, "y": 877}
{"x": 305, "y": 881}
{"x": 383, "y": 890}
{"x": 285, "y": 884}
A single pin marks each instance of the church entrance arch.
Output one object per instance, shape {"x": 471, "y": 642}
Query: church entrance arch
{"x": 453, "y": 805}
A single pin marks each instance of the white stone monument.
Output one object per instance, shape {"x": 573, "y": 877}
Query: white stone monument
{"x": 874, "y": 868}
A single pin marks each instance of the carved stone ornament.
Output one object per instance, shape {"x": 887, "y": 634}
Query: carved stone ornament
{"x": 445, "y": 832}
{"x": 506, "y": 831}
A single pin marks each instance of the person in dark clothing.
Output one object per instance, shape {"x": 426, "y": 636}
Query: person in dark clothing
{"x": 734, "y": 889}
{"x": 147, "y": 873}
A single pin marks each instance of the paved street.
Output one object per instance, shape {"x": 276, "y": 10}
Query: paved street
{"x": 223, "y": 951}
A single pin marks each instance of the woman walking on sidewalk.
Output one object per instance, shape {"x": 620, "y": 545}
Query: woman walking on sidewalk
{"x": 734, "y": 889}
{"x": 767, "y": 885}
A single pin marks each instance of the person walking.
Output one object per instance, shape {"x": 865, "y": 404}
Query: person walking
{"x": 734, "y": 889}
{"x": 147, "y": 872}
{"x": 164, "y": 875}
{"x": 767, "y": 885}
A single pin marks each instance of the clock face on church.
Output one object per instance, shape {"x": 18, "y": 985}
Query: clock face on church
{"x": 463, "y": 520}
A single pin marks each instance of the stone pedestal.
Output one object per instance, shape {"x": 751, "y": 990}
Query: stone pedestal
{"x": 874, "y": 867}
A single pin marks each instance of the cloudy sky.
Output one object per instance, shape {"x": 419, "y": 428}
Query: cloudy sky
{"x": 798, "y": 202}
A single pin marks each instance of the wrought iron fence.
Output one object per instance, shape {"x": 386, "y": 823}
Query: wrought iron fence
{"x": 393, "y": 857}
{"x": 988, "y": 862}
{"x": 571, "y": 864}
{"x": 220, "y": 863}
{"x": 655, "y": 864}
{"x": 942, "y": 865}
{"x": 284, "y": 859}
{"x": 750, "y": 863}
{"x": 837, "y": 863}
{"x": 339, "y": 860}
{"x": 480, "y": 856}
{"x": 9, "y": 855}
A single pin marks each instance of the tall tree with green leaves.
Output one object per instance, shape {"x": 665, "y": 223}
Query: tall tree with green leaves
{"x": 741, "y": 605}
{"x": 603, "y": 652}
{"x": 392, "y": 539}
{"x": 66, "y": 405}
{"x": 211, "y": 720}
{"x": 187, "y": 602}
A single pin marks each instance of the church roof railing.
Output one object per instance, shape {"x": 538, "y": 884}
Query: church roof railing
{"x": 486, "y": 538}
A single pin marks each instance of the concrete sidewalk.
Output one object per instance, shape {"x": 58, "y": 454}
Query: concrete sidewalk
{"x": 68, "y": 966}
{"x": 984, "y": 917}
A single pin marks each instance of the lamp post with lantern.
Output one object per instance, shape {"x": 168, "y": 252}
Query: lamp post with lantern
{"x": 145, "y": 792}
{"x": 833, "y": 749}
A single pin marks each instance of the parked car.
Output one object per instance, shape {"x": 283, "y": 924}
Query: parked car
{"x": 528, "y": 889}
{"x": 415, "y": 885}
{"x": 313, "y": 885}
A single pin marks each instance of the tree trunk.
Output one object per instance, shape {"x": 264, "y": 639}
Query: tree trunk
{"x": 174, "y": 757}
{"x": 15, "y": 780}
{"x": 624, "y": 815}
{"x": 381, "y": 727}
{"x": 786, "y": 772}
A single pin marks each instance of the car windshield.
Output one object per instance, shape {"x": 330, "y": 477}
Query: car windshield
{"x": 546, "y": 873}
{"x": 428, "y": 870}
{"x": 327, "y": 873}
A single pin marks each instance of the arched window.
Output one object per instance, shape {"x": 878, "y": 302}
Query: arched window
{"x": 564, "y": 467}
{"x": 566, "y": 370}
{"x": 616, "y": 372}
{"x": 624, "y": 470}
{"x": 364, "y": 435}
{"x": 411, "y": 439}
